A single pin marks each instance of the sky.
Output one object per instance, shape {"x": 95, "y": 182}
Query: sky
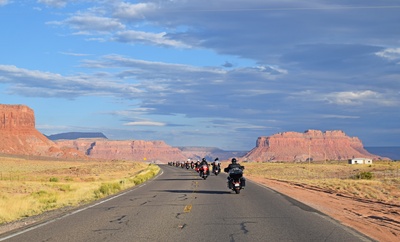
{"x": 204, "y": 73}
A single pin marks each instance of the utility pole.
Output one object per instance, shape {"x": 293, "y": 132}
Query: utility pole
{"x": 309, "y": 151}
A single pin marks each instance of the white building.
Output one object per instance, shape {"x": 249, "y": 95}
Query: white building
{"x": 360, "y": 161}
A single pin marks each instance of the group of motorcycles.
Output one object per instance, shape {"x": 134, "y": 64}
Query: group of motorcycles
{"x": 236, "y": 181}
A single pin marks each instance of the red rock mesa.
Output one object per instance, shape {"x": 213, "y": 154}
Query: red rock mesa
{"x": 313, "y": 145}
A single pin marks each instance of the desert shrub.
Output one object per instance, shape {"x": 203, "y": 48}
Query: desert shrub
{"x": 39, "y": 194}
{"x": 366, "y": 175}
{"x": 145, "y": 175}
{"x": 107, "y": 189}
{"x": 53, "y": 179}
{"x": 65, "y": 188}
{"x": 49, "y": 202}
{"x": 68, "y": 178}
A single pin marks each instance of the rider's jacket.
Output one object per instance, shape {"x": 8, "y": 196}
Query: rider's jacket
{"x": 232, "y": 166}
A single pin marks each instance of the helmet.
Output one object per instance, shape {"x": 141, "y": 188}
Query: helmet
{"x": 234, "y": 160}
{"x": 216, "y": 159}
{"x": 204, "y": 159}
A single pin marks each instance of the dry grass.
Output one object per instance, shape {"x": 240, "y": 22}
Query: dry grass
{"x": 30, "y": 187}
{"x": 379, "y": 181}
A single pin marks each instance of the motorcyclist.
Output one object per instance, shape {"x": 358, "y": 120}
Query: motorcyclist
{"x": 204, "y": 162}
{"x": 216, "y": 164}
{"x": 197, "y": 165}
{"x": 234, "y": 165}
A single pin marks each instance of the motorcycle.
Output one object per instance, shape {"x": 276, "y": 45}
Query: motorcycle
{"x": 187, "y": 166}
{"x": 204, "y": 172}
{"x": 216, "y": 169}
{"x": 236, "y": 181}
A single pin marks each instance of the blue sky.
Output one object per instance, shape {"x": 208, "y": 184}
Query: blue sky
{"x": 201, "y": 73}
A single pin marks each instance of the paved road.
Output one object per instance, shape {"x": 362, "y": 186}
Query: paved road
{"x": 179, "y": 206}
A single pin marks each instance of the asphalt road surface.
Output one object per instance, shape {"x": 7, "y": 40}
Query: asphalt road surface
{"x": 180, "y": 206}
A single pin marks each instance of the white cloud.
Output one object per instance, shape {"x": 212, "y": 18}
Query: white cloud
{"x": 132, "y": 36}
{"x": 73, "y": 54}
{"x": 389, "y": 53}
{"x": 361, "y": 97}
{"x": 35, "y": 83}
{"x": 86, "y": 23}
{"x": 133, "y": 11}
{"x": 144, "y": 123}
{"x": 4, "y": 2}
{"x": 339, "y": 116}
{"x": 54, "y": 3}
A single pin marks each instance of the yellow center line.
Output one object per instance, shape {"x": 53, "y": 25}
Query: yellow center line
{"x": 187, "y": 208}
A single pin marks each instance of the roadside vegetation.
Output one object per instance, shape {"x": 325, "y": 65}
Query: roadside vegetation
{"x": 379, "y": 181}
{"x": 31, "y": 187}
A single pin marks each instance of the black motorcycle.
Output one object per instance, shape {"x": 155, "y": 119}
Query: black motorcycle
{"x": 236, "y": 181}
{"x": 216, "y": 169}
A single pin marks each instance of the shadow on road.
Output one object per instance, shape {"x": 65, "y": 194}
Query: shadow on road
{"x": 177, "y": 179}
{"x": 191, "y": 191}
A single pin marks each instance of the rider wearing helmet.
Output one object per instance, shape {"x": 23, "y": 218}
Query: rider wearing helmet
{"x": 202, "y": 163}
{"x": 234, "y": 164}
{"x": 216, "y": 164}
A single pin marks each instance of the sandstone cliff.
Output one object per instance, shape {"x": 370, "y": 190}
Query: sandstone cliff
{"x": 18, "y": 135}
{"x": 136, "y": 150}
{"x": 313, "y": 145}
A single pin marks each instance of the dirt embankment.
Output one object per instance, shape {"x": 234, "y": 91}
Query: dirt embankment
{"x": 380, "y": 221}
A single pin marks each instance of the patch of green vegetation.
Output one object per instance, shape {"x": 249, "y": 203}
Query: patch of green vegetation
{"x": 64, "y": 188}
{"x": 53, "y": 179}
{"x": 365, "y": 175}
{"x": 107, "y": 189}
{"x": 68, "y": 178}
{"x": 39, "y": 194}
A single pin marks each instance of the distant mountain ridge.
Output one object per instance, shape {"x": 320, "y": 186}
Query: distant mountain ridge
{"x": 77, "y": 135}
{"x": 210, "y": 153}
{"x": 135, "y": 150}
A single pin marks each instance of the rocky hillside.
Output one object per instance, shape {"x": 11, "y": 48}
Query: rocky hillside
{"x": 136, "y": 150}
{"x": 18, "y": 135}
{"x": 313, "y": 145}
